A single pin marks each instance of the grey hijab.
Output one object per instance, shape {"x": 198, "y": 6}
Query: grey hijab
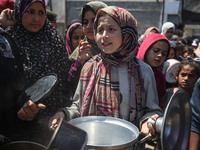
{"x": 95, "y": 6}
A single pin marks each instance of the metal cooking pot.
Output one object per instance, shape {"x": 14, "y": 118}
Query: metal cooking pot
{"x": 107, "y": 132}
{"x": 23, "y": 145}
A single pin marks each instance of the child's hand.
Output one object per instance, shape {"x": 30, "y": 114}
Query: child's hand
{"x": 148, "y": 128}
{"x": 85, "y": 51}
{"x": 55, "y": 119}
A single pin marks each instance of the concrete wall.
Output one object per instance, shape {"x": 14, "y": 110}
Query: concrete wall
{"x": 59, "y": 8}
{"x": 146, "y": 13}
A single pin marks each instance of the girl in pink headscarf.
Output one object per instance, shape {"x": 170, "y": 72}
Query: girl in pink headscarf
{"x": 73, "y": 35}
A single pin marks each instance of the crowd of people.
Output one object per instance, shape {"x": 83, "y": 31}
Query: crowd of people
{"x": 104, "y": 68}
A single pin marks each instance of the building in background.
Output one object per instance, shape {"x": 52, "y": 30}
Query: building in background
{"x": 185, "y": 14}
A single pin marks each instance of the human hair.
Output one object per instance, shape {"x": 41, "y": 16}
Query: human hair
{"x": 100, "y": 14}
{"x": 93, "y": 6}
{"x": 86, "y": 8}
{"x": 187, "y": 49}
{"x": 155, "y": 30}
{"x": 72, "y": 29}
{"x": 145, "y": 56}
{"x": 191, "y": 63}
{"x": 51, "y": 15}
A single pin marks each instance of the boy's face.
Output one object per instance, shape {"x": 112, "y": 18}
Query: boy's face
{"x": 187, "y": 77}
{"x": 156, "y": 55}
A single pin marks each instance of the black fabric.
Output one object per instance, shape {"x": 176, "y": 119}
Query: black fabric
{"x": 42, "y": 52}
{"x": 169, "y": 93}
{"x": 20, "y": 79}
{"x": 9, "y": 69}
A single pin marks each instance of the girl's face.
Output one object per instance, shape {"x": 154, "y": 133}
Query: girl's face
{"x": 77, "y": 36}
{"x": 171, "y": 54}
{"x": 169, "y": 33}
{"x": 88, "y": 23}
{"x": 187, "y": 77}
{"x": 34, "y": 17}
{"x": 188, "y": 54}
{"x": 156, "y": 55}
{"x": 109, "y": 36}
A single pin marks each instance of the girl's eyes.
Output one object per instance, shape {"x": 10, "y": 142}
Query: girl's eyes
{"x": 157, "y": 51}
{"x": 76, "y": 37}
{"x": 32, "y": 12}
{"x": 189, "y": 75}
{"x": 99, "y": 30}
{"x": 183, "y": 74}
{"x": 112, "y": 29}
{"x": 41, "y": 13}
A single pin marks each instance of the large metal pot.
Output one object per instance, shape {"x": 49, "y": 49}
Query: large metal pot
{"x": 107, "y": 133}
{"x": 23, "y": 145}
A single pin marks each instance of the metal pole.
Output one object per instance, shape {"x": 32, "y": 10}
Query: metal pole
{"x": 50, "y": 5}
{"x": 163, "y": 12}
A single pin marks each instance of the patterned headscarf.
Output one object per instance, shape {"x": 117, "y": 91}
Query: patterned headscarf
{"x": 42, "y": 52}
{"x": 102, "y": 96}
{"x": 128, "y": 26}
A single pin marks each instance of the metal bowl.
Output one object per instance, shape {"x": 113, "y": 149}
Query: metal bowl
{"x": 107, "y": 132}
{"x": 23, "y": 145}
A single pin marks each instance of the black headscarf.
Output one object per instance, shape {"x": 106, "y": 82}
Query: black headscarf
{"x": 42, "y": 53}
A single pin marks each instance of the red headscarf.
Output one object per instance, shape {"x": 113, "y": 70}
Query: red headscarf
{"x": 150, "y": 40}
